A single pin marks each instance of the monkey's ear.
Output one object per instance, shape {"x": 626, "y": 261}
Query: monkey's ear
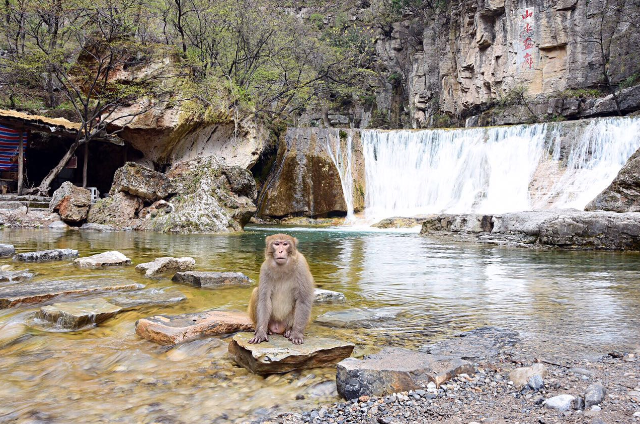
{"x": 295, "y": 242}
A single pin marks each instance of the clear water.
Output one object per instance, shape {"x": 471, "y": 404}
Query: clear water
{"x": 563, "y": 301}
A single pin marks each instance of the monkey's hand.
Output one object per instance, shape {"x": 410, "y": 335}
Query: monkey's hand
{"x": 296, "y": 337}
{"x": 259, "y": 337}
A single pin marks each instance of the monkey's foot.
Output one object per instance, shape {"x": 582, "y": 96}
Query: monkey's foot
{"x": 259, "y": 338}
{"x": 287, "y": 333}
{"x": 296, "y": 338}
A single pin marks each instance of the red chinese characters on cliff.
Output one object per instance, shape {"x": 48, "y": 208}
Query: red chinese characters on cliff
{"x": 526, "y": 45}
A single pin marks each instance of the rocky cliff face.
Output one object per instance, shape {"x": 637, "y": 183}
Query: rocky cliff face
{"x": 529, "y": 60}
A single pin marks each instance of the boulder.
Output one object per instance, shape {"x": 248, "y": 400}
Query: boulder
{"x": 15, "y": 276}
{"x": 521, "y": 376}
{"x": 46, "y": 255}
{"x": 212, "y": 280}
{"x": 119, "y": 208}
{"x": 75, "y": 315}
{"x": 623, "y": 194}
{"x": 71, "y": 202}
{"x": 102, "y": 260}
{"x": 279, "y": 355}
{"x": 147, "y": 298}
{"x": 142, "y": 182}
{"x": 164, "y": 265}
{"x": 41, "y": 291}
{"x": 328, "y": 296}
{"x": 358, "y": 318}
{"x": 169, "y": 330}
{"x": 7, "y": 250}
{"x": 396, "y": 370}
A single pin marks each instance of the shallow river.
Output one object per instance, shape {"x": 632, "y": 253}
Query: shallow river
{"x": 569, "y": 301}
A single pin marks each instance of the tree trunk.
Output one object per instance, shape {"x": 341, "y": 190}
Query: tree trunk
{"x": 45, "y": 185}
{"x": 85, "y": 165}
{"x": 20, "y": 162}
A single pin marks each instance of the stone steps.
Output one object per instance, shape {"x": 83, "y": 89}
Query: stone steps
{"x": 10, "y": 201}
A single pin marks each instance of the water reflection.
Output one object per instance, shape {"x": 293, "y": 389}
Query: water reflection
{"x": 574, "y": 299}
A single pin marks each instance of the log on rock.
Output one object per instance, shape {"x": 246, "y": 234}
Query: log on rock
{"x": 279, "y": 355}
{"x": 41, "y": 291}
{"x": 74, "y": 315}
{"x": 396, "y": 370}
{"x": 169, "y": 330}
{"x": 46, "y": 255}
{"x": 102, "y": 260}
{"x": 212, "y": 280}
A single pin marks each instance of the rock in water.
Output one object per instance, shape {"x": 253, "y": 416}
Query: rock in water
{"x": 103, "y": 260}
{"x": 164, "y": 265}
{"x": 279, "y": 355}
{"x": 145, "y": 298}
{"x": 396, "y": 370}
{"x": 71, "y": 202}
{"x": 7, "y": 250}
{"x": 328, "y": 296}
{"x": 212, "y": 280}
{"x": 355, "y": 318}
{"x": 142, "y": 182}
{"x": 169, "y": 330}
{"x": 74, "y": 315}
{"x": 41, "y": 291}
{"x": 14, "y": 276}
{"x": 46, "y": 255}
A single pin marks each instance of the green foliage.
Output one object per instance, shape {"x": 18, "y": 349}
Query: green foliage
{"x": 631, "y": 81}
{"x": 379, "y": 119}
{"x": 581, "y": 93}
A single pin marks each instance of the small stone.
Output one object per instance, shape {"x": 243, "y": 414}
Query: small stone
{"x": 535, "y": 383}
{"x": 520, "y": 377}
{"x": 328, "y": 296}
{"x": 165, "y": 265}
{"x": 560, "y": 403}
{"x": 636, "y": 414}
{"x": 594, "y": 395}
{"x": 7, "y": 250}
{"x": 595, "y": 408}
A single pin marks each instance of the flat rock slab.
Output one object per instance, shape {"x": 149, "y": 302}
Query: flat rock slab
{"x": 46, "y": 255}
{"x": 358, "y": 318}
{"x": 212, "y": 280}
{"x": 7, "y": 250}
{"x": 279, "y": 355}
{"x": 103, "y": 260}
{"x": 328, "y": 296}
{"x": 170, "y": 330}
{"x": 74, "y": 315}
{"x": 15, "y": 276}
{"x": 41, "y": 291}
{"x": 164, "y": 265}
{"x": 149, "y": 297}
{"x": 396, "y": 370}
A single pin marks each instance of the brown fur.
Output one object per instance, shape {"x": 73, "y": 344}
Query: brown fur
{"x": 282, "y": 301}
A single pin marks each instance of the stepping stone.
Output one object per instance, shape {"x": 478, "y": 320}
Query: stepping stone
{"x": 15, "y": 276}
{"x": 212, "y": 280}
{"x": 74, "y": 315}
{"x": 97, "y": 227}
{"x": 148, "y": 297}
{"x": 169, "y": 330}
{"x": 279, "y": 355}
{"x": 358, "y": 318}
{"x": 41, "y": 291}
{"x": 328, "y": 296}
{"x": 102, "y": 260}
{"x": 46, "y": 255}
{"x": 7, "y": 250}
{"x": 396, "y": 370}
{"x": 164, "y": 265}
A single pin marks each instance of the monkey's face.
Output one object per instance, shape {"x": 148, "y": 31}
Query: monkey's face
{"x": 281, "y": 247}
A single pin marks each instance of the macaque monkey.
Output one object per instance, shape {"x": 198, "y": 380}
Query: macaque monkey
{"x": 281, "y": 304}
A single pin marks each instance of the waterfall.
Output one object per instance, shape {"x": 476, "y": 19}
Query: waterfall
{"x": 494, "y": 170}
{"x": 342, "y": 159}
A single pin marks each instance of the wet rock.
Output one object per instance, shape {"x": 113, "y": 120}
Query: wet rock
{"x": 71, "y": 202}
{"x": 74, "y": 315}
{"x": 46, "y": 255}
{"x": 358, "y": 318}
{"x": 484, "y": 343}
{"x": 142, "y": 182}
{"x": 58, "y": 225}
{"x": 212, "y": 280}
{"x": 399, "y": 222}
{"x": 119, "y": 209}
{"x": 97, "y": 227}
{"x": 195, "y": 349}
{"x": 396, "y": 370}
{"x": 328, "y": 296}
{"x": 168, "y": 330}
{"x": 15, "y": 276}
{"x": 594, "y": 395}
{"x": 560, "y": 403}
{"x": 623, "y": 194}
{"x": 322, "y": 389}
{"x": 41, "y": 291}
{"x": 102, "y": 260}
{"x": 165, "y": 265}
{"x": 7, "y": 250}
{"x": 521, "y": 376}
{"x": 147, "y": 298}
{"x": 11, "y": 331}
{"x": 279, "y": 355}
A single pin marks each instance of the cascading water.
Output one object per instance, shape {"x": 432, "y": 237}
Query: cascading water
{"x": 493, "y": 170}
